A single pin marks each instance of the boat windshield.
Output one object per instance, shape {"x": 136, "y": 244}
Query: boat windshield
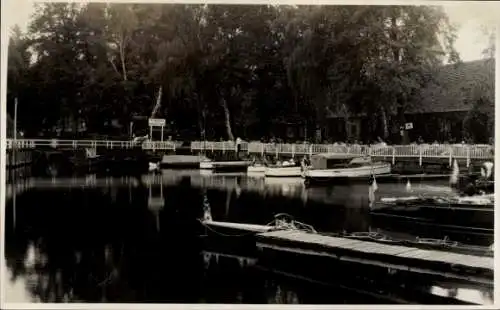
{"x": 334, "y": 162}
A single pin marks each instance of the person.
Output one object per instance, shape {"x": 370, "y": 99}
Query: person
{"x": 487, "y": 170}
{"x": 238, "y": 147}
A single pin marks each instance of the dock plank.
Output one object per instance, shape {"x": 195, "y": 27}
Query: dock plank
{"x": 340, "y": 242}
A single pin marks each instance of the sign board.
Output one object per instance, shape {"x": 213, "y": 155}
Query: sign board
{"x": 408, "y": 126}
{"x": 157, "y": 122}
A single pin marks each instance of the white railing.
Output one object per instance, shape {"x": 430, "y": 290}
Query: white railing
{"x": 161, "y": 145}
{"x": 55, "y": 143}
{"x": 461, "y": 151}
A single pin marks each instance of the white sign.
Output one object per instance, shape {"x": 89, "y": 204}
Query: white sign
{"x": 158, "y": 122}
{"x": 409, "y": 126}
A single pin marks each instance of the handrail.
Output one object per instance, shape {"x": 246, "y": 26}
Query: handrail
{"x": 461, "y": 151}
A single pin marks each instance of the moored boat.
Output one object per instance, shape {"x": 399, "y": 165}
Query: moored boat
{"x": 224, "y": 166}
{"x": 332, "y": 168}
{"x": 284, "y": 172}
{"x": 181, "y": 161}
{"x": 474, "y": 213}
{"x": 285, "y": 169}
{"x": 256, "y": 169}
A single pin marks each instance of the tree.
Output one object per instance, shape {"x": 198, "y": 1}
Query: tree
{"x": 225, "y": 69}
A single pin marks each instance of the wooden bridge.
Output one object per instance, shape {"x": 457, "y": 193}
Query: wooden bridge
{"x": 421, "y": 152}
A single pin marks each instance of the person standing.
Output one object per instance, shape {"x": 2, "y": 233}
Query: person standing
{"x": 238, "y": 147}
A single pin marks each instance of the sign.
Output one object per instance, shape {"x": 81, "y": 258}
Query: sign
{"x": 158, "y": 122}
{"x": 408, "y": 126}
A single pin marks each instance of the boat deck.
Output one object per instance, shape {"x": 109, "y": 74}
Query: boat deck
{"x": 220, "y": 164}
{"x": 471, "y": 268}
{"x": 239, "y": 226}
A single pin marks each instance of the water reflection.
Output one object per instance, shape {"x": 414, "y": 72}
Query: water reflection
{"x": 135, "y": 239}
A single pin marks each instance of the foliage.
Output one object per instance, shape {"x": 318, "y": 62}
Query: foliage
{"x": 222, "y": 70}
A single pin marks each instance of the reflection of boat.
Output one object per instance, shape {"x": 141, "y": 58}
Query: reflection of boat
{"x": 330, "y": 168}
{"x": 474, "y": 213}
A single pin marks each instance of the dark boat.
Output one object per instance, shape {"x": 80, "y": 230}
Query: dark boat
{"x": 224, "y": 166}
{"x": 475, "y": 213}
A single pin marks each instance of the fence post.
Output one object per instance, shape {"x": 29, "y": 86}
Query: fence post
{"x": 310, "y": 150}
{"x": 262, "y": 149}
{"x": 223, "y": 147}
{"x": 293, "y": 151}
{"x": 420, "y": 155}
{"x": 393, "y": 155}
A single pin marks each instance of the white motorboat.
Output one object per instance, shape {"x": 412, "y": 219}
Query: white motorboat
{"x": 332, "y": 168}
{"x": 284, "y": 172}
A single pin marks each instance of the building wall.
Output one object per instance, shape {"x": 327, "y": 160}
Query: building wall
{"x": 446, "y": 126}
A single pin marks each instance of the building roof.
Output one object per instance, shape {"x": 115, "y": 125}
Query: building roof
{"x": 451, "y": 91}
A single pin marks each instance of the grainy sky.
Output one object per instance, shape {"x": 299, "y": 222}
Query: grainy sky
{"x": 468, "y": 17}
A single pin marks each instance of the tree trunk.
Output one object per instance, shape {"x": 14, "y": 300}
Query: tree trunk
{"x": 227, "y": 119}
{"x": 201, "y": 112}
{"x": 158, "y": 102}
{"x": 122, "y": 56}
{"x": 345, "y": 112}
{"x": 384, "y": 122}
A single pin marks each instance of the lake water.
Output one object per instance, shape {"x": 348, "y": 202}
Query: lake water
{"x": 136, "y": 239}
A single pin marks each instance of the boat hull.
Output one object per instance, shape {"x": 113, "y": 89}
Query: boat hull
{"x": 454, "y": 217}
{"x": 229, "y": 166}
{"x": 345, "y": 175}
{"x": 283, "y": 172}
{"x": 256, "y": 169}
{"x": 181, "y": 162}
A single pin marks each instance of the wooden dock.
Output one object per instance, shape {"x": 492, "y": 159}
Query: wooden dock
{"x": 469, "y": 268}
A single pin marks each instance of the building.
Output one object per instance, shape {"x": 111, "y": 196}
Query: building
{"x": 443, "y": 110}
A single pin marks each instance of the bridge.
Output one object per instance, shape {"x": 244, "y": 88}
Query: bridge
{"x": 463, "y": 152}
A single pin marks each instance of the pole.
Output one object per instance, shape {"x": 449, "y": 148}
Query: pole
{"x": 14, "y": 147}
{"x": 161, "y": 133}
{"x": 130, "y": 129}
{"x": 15, "y": 118}
{"x": 14, "y": 159}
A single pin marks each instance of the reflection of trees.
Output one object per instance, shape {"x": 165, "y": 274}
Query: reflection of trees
{"x": 68, "y": 251}
{"x": 57, "y": 272}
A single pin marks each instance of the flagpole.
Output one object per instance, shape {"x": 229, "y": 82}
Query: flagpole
{"x": 14, "y": 159}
